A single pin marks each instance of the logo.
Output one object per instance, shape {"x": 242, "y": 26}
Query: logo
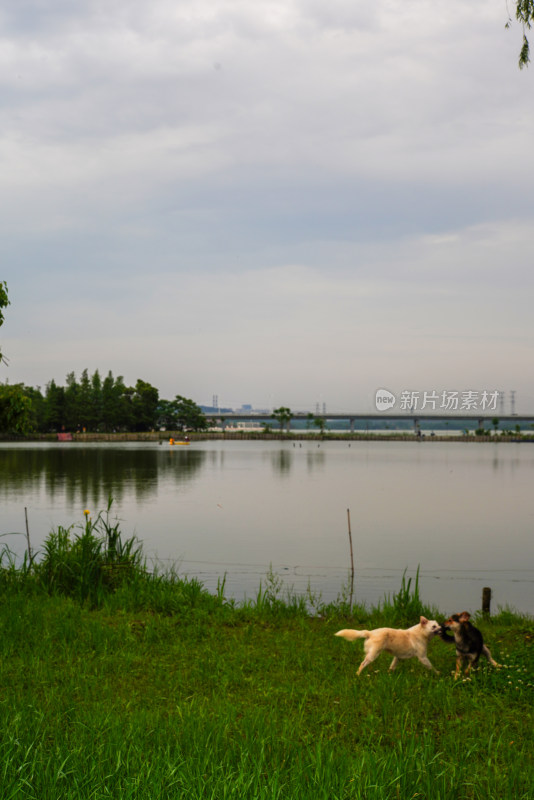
{"x": 384, "y": 400}
{"x": 472, "y": 400}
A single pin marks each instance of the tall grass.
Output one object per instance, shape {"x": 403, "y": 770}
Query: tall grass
{"x": 93, "y": 563}
{"x": 406, "y": 604}
{"x": 89, "y": 560}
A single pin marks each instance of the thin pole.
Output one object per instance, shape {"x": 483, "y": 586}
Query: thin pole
{"x": 28, "y": 535}
{"x": 351, "y": 561}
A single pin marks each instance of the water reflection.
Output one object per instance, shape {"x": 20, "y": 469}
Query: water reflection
{"x": 284, "y": 460}
{"x": 281, "y": 461}
{"x": 92, "y": 474}
{"x": 315, "y": 460}
{"x": 500, "y": 463}
{"x": 463, "y": 512}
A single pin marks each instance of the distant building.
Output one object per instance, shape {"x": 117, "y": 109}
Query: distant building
{"x": 245, "y": 426}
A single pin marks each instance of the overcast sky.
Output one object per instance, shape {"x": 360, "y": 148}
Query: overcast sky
{"x": 278, "y": 202}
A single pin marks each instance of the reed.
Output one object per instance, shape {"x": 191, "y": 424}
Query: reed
{"x": 406, "y": 604}
{"x": 86, "y": 561}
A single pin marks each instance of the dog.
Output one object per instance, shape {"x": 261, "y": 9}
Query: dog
{"x": 468, "y": 640}
{"x": 409, "y": 643}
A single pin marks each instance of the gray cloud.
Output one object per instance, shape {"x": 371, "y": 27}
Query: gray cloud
{"x": 296, "y": 171}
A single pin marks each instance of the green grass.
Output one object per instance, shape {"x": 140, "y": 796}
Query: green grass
{"x": 153, "y": 688}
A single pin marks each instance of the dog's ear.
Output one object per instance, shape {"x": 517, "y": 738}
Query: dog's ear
{"x": 423, "y": 621}
{"x": 465, "y": 616}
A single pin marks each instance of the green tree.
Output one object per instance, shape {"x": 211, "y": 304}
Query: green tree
{"x": 4, "y": 302}
{"x": 187, "y": 415}
{"x": 320, "y": 423}
{"x": 114, "y": 409}
{"x": 125, "y": 410}
{"x": 54, "y": 407}
{"x": 108, "y": 396}
{"x": 283, "y": 416}
{"x": 15, "y": 409}
{"x": 524, "y": 12}
{"x": 85, "y": 409}
{"x": 144, "y": 406}
{"x": 96, "y": 401}
{"x": 167, "y": 415}
{"x": 71, "y": 418}
{"x": 38, "y": 407}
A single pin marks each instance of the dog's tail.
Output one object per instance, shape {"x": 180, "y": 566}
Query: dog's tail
{"x": 351, "y": 635}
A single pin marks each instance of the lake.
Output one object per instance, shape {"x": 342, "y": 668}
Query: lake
{"x": 463, "y": 512}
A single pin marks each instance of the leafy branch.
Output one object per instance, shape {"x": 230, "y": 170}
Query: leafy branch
{"x": 525, "y": 15}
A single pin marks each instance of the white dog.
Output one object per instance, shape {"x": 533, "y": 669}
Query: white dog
{"x": 410, "y": 643}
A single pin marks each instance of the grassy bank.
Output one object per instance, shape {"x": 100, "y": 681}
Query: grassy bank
{"x": 295, "y": 435}
{"x": 149, "y": 687}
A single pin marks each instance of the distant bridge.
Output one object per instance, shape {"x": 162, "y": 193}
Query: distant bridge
{"x": 461, "y": 420}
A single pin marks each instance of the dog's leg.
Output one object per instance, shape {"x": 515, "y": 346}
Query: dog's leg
{"x": 369, "y": 658}
{"x": 363, "y": 665}
{"x": 393, "y": 664}
{"x": 458, "y": 666}
{"x": 486, "y": 651}
{"x": 366, "y": 661}
{"x": 425, "y": 661}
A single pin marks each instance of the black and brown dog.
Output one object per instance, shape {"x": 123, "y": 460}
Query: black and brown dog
{"x": 468, "y": 640}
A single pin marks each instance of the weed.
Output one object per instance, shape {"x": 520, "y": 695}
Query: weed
{"x": 88, "y": 560}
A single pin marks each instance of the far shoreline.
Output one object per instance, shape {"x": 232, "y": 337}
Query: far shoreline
{"x": 292, "y": 436}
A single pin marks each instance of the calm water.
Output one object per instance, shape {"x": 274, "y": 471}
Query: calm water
{"x": 463, "y": 512}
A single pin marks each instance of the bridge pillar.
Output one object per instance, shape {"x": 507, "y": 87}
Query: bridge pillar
{"x": 351, "y": 420}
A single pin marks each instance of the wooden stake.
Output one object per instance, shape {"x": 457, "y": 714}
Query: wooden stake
{"x": 351, "y": 561}
{"x": 28, "y": 535}
{"x": 486, "y": 600}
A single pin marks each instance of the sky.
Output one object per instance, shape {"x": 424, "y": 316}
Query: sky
{"x": 278, "y": 202}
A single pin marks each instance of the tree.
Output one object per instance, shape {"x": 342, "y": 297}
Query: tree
{"x": 144, "y": 406}
{"x": 524, "y": 13}
{"x": 15, "y": 409}
{"x": 71, "y": 419}
{"x": 38, "y": 407}
{"x": 283, "y": 416}
{"x": 166, "y": 415}
{"x": 4, "y": 302}
{"x": 186, "y": 414}
{"x": 85, "y": 409}
{"x": 96, "y": 401}
{"x": 320, "y": 423}
{"x": 122, "y": 405}
{"x": 54, "y": 407}
{"x": 112, "y": 391}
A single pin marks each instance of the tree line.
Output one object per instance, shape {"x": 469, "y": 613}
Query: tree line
{"x": 94, "y": 404}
